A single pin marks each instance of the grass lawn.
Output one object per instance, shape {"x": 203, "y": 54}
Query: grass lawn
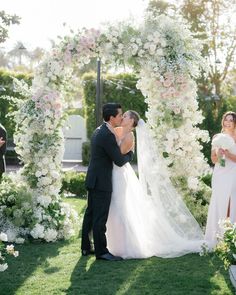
{"x": 58, "y": 268}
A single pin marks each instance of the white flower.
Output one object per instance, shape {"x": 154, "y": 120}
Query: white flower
{"x": 3, "y": 267}
{"x": 55, "y": 174}
{"x": 11, "y": 234}
{"x": 3, "y": 237}
{"x": 38, "y": 173}
{"x": 44, "y": 171}
{"x": 10, "y": 249}
{"x": 159, "y": 52}
{"x": 38, "y": 231}
{"x": 223, "y": 141}
{"x": 193, "y": 183}
{"x": 16, "y": 253}
{"x": 44, "y": 200}
{"x": 19, "y": 240}
{"x": 50, "y": 235}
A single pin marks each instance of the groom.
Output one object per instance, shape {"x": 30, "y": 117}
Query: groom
{"x": 104, "y": 151}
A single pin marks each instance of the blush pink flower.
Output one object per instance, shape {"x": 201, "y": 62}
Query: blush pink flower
{"x": 158, "y": 83}
{"x": 57, "y": 106}
{"x": 180, "y": 79}
{"x": 67, "y": 57}
{"x": 167, "y": 83}
{"x": 169, "y": 76}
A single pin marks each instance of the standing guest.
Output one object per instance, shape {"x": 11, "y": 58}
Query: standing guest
{"x": 3, "y": 146}
{"x": 223, "y": 199}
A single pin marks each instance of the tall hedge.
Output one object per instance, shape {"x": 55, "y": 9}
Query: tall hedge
{"x": 6, "y": 89}
{"x": 115, "y": 88}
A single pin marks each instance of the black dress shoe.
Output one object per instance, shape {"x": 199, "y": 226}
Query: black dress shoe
{"x": 109, "y": 257}
{"x": 87, "y": 252}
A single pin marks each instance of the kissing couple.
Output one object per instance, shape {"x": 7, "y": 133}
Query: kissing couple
{"x": 130, "y": 216}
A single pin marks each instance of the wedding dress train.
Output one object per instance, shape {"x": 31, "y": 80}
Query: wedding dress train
{"x": 147, "y": 216}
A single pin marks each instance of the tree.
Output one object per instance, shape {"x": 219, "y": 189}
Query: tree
{"x": 213, "y": 22}
{"x": 36, "y": 56}
{"x": 18, "y": 51}
{"x": 5, "y": 21}
{"x": 160, "y": 7}
{"x": 3, "y": 59}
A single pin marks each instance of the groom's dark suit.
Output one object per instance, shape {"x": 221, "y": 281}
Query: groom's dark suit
{"x": 104, "y": 151}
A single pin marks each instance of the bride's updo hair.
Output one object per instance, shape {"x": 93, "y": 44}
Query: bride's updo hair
{"x": 134, "y": 115}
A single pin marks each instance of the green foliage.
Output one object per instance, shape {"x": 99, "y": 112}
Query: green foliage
{"x": 6, "y": 106}
{"x": 5, "y": 21}
{"x": 207, "y": 179}
{"x": 197, "y": 202}
{"x": 85, "y": 153}
{"x": 116, "y": 88}
{"x": 226, "y": 247}
{"x": 7, "y": 89}
{"x": 74, "y": 183}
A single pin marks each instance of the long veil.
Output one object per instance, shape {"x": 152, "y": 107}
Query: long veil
{"x": 157, "y": 186}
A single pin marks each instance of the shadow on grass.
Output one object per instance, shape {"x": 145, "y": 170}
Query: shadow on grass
{"x": 190, "y": 274}
{"x": 32, "y": 256}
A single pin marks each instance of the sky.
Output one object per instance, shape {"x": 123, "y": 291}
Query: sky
{"x": 42, "y": 20}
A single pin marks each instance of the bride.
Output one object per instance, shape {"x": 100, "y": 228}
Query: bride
{"x": 147, "y": 216}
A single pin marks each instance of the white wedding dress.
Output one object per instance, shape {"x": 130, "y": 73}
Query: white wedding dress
{"x": 147, "y": 216}
{"x": 223, "y": 190}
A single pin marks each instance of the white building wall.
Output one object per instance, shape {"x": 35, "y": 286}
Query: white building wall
{"x": 74, "y": 134}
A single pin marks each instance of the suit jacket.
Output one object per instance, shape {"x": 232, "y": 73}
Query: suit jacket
{"x": 104, "y": 151}
{"x": 3, "y": 148}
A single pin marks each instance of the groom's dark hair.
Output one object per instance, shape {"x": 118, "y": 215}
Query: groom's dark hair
{"x": 110, "y": 109}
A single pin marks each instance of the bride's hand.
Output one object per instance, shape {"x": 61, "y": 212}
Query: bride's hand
{"x": 221, "y": 152}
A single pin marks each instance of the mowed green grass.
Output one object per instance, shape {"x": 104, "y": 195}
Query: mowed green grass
{"x": 59, "y": 268}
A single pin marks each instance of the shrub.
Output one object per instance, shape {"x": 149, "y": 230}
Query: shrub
{"x": 85, "y": 153}
{"x": 73, "y": 182}
{"x": 6, "y": 108}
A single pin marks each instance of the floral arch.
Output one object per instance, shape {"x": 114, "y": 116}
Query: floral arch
{"x": 166, "y": 58}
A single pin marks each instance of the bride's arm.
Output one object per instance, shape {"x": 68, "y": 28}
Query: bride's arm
{"x": 127, "y": 144}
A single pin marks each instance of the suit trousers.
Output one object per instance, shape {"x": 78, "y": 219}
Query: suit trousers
{"x": 95, "y": 219}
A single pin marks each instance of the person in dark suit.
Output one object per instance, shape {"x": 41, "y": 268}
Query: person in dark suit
{"x": 3, "y": 146}
{"x": 104, "y": 151}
